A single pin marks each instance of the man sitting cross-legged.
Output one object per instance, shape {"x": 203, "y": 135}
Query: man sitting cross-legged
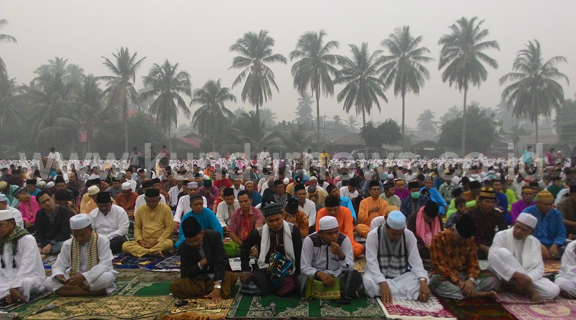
{"x": 455, "y": 266}
{"x": 153, "y": 225}
{"x": 515, "y": 258}
{"x": 326, "y": 255}
{"x": 110, "y": 221}
{"x": 394, "y": 268}
{"x": 84, "y": 266}
{"x": 204, "y": 269}
{"x": 280, "y": 247}
{"x": 566, "y": 278}
{"x": 242, "y": 222}
{"x": 22, "y": 272}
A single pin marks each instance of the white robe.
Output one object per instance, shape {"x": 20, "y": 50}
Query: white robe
{"x": 507, "y": 256}
{"x": 566, "y": 278}
{"x": 29, "y": 274}
{"x": 406, "y": 286}
{"x": 112, "y": 225}
{"x": 222, "y": 212}
{"x": 309, "y": 209}
{"x": 17, "y": 216}
{"x": 99, "y": 277}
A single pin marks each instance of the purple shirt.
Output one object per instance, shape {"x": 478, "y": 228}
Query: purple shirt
{"x": 517, "y": 208}
{"x": 402, "y": 194}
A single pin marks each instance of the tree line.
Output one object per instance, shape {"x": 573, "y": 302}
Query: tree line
{"x": 62, "y": 102}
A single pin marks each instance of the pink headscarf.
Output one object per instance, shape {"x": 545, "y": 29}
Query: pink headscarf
{"x": 424, "y": 230}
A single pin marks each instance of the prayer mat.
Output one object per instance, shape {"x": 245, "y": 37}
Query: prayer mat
{"x": 550, "y": 309}
{"x": 144, "y": 289}
{"x": 251, "y": 307}
{"x": 360, "y": 264}
{"x": 552, "y": 266}
{"x": 13, "y": 306}
{"x": 106, "y": 308}
{"x": 199, "y": 309}
{"x": 49, "y": 261}
{"x": 409, "y": 309}
{"x": 126, "y": 261}
{"x": 236, "y": 263}
{"x": 170, "y": 264}
{"x": 476, "y": 309}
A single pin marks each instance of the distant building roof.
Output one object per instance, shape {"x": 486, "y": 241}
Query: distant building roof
{"x": 350, "y": 139}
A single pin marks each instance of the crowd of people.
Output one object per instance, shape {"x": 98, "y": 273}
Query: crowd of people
{"x": 297, "y": 225}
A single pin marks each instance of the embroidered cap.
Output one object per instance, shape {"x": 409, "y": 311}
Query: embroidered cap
{"x": 191, "y": 185}
{"x": 271, "y": 209}
{"x": 396, "y": 220}
{"x": 544, "y": 195}
{"x": 79, "y": 221}
{"x": 528, "y": 220}
{"x": 327, "y": 223}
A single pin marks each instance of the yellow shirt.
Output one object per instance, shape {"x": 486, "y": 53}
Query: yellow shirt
{"x": 153, "y": 225}
{"x": 324, "y": 159}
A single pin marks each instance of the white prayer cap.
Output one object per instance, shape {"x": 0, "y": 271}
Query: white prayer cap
{"x": 6, "y": 215}
{"x": 286, "y": 181}
{"x": 50, "y": 184}
{"x": 93, "y": 190}
{"x": 179, "y": 178}
{"x": 191, "y": 185}
{"x": 456, "y": 180}
{"x": 42, "y": 183}
{"x": 327, "y": 223}
{"x": 126, "y": 186}
{"x": 390, "y": 176}
{"x": 79, "y": 221}
{"x": 528, "y": 220}
{"x": 2, "y": 197}
{"x": 313, "y": 178}
{"x": 396, "y": 220}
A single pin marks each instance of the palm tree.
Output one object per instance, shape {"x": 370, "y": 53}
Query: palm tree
{"x": 89, "y": 107}
{"x": 362, "y": 85}
{"x": 315, "y": 68}
{"x": 403, "y": 67}
{"x": 304, "y": 108}
{"x": 462, "y": 57}
{"x": 255, "y": 50}
{"x": 9, "y": 112}
{"x": 351, "y": 123}
{"x": 249, "y": 128}
{"x": 4, "y": 38}
{"x": 452, "y": 113}
{"x": 536, "y": 91}
{"x": 166, "y": 85}
{"x": 120, "y": 87}
{"x": 212, "y": 117}
{"x": 426, "y": 120}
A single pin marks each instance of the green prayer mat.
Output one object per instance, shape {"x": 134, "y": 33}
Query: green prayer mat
{"x": 144, "y": 289}
{"x": 245, "y": 306}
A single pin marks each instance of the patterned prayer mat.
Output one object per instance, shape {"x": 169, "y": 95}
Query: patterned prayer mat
{"x": 409, "y": 309}
{"x": 552, "y": 266}
{"x": 476, "y": 309}
{"x": 294, "y": 307}
{"x": 13, "y": 306}
{"x": 106, "y": 308}
{"x": 126, "y": 261}
{"x": 199, "y": 309}
{"x": 360, "y": 264}
{"x": 524, "y": 309}
{"x": 143, "y": 289}
{"x": 170, "y": 264}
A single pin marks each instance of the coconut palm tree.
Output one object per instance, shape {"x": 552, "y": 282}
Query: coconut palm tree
{"x": 212, "y": 117}
{"x": 462, "y": 56}
{"x": 89, "y": 102}
{"x": 4, "y": 38}
{"x": 352, "y": 123}
{"x": 536, "y": 92}
{"x": 255, "y": 51}
{"x": 167, "y": 83}
{"x": 363, "y": 87}
{"x": 249, "y": 128}
{"x": 8, "y": 108}
{"x": 120, "y": 87}
{"x": 314, "y": 68}
{"x": 426, "y": 120}
{"x": 404, "y": 68}
{"x": 304, "y": 109}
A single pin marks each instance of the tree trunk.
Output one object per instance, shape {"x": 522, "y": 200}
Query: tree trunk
{"x": 403, "y": 118}
{"x": 125, "y": 116}
{"x": 169, "y": 138}
{"x": 363, "y": 118}
{"x": 536, "y": 130}
{"x": 464, "y": 125}
{"x": 317, "y": 117}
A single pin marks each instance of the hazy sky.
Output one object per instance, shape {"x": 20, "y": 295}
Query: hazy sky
{"x": 198, "y": 35}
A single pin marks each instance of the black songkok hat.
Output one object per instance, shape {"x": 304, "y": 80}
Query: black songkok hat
{"x": 31, "y": 181}
{"x": 61, "y": 195}
{"x": 331, "y": 201}
{"x": 152, "y": 193}
{"x": 147, "y": 184}
{"x": 299, "y": 187}
{"x": 431, "y": 209}
{"x": 413, "y": 184}
{"x": 156, "y": 180}
{"x": 292, "y": 206}
{"x": 103, "y": 197}
{"x": 59, "y": 179}
{"x": 228, "y": 192}
{"x": 457, "y": 192}
{"x": 475, "y": 185}
{"x": 190, "y": 227}
{"x": 466, "y": 227}
{"x": 330, "y": 188}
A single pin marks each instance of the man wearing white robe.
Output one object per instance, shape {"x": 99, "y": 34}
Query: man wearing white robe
{"x": 111, "y": 221}
{"x": 22, "y": 273}
{"x": 566, "y": 278}
{"x": 184, "y": 203}
{"x": 386, "y": 281}
{"x": 97, "y": 280}
{"x": 15, "y": 212}
{"x": 515, "y": 258}
{"x": 226, "y": 208}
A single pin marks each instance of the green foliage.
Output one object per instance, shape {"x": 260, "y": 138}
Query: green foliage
{"x": 304, "y": 109}
{"x": 388, "y": 132}
{"x": 482, "y": 130}
{"x": 566, "y": 123}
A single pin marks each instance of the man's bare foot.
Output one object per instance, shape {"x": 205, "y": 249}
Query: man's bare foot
{"x": 155, "y": 254}
{"x": 534, "y": 296}
{"x": 42, "y": 256}
{"x": 85, "y": 287}
{"x": 486, "y": 294}
{"x": 566, "y": 295}
{"x": 103, "y": 292}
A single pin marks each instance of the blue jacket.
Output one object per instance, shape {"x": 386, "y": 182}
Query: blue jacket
{"x": 207, "y": 220}
{"x": 437, "y": 197}
{"x": 550, "y": 228}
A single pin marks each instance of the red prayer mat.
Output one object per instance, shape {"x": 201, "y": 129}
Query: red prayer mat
{"x": 409, "y": 309}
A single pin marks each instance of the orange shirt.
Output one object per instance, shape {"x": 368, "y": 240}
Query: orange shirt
{"x": 368, "y": 203}
{"x": 344, "y": 218}
{"x": 127, "y": 204}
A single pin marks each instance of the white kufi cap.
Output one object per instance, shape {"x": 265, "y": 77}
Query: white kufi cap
{"x": 327, "y": 223}
{"x": 126, "y": 186}
{"x": 79, "y": 221}
{"x": 396, "y": 220}
{"x": 528, "y": 220}
{"x": 6, "y": 215}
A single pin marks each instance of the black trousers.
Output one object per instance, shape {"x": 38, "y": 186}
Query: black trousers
{"x": 116, "y": 244}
